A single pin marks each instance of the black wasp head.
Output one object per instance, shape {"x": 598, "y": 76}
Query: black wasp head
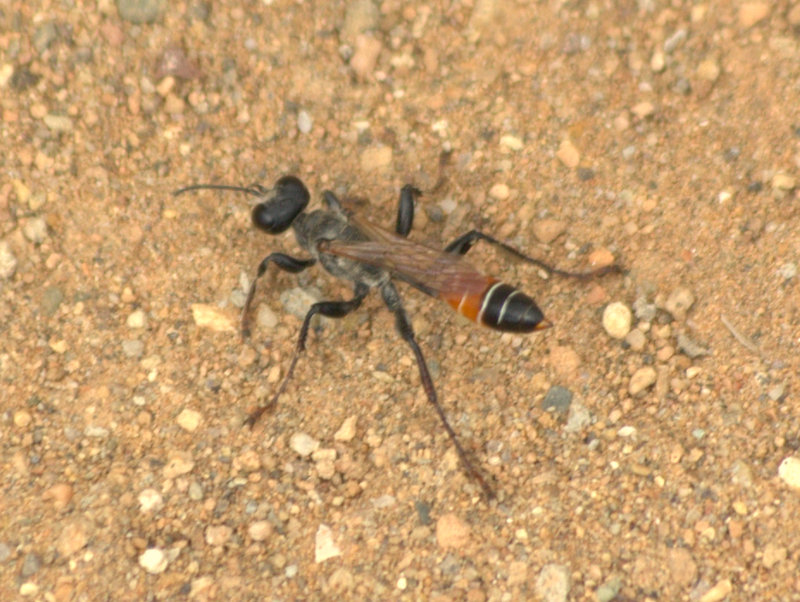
{"x": 284, "y": 203}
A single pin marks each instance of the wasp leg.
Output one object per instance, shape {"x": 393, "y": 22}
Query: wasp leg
{"x": 330, "y": 309}
{"x": 392, "y": 300}
{"x": 405, "y": 209}
{"x": 284, "y": 262}
{"x": 464, "y": 243}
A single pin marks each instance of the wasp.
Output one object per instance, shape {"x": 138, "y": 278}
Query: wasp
{"x": 352, "y": 248}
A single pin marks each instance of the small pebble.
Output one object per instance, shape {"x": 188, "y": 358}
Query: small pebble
{"x": 248, "y": 461}
{"x": 189, "y": 420}
{"x": 303, "y": 445}
{"x": 643, "y": 110}
{"x": 324, "y": 463}
{"x": 8, "y": 261}
{"x": 452, "y": 532}
{"x": 304, "y": 122}
{"x": 557, "y": 398}
{"x": 579, "y": 418}
{"x": 28, "y": 589}
{"x": 644, "y": 310}
{"x": 679, "y": 302}
{"x": 212, "y": 317}
{"x": 636, "y": 339}
{"x": 60, "y": 494}
{"x": 675, "y": 40}
{"x": 153, "y": 560}
{"x": 58, "y": 123}
{"x": 31, "y": 563}
{"x": 132, "y": 348}
{"x": 376, "y": 158}
{"x": 553, "y": 583}
{"x": 789, "y": 471}
{"x": 265, "y": 317}
{"x": 617, "y": 319}
{"x": 136, "y": 319}
{"x": 511, "y": 142}
{"x": 260, "y": 530}
{"x": 782, "y": 183}
{"x": 751, "y": 13}
{"x": 689, "y": 347}
{"x": 777, "y": 392}
{"x": 788, "y": 270}
{"x": 499, "y": 192}
{"x": 708, "y": 70}
{"x": 347, "y": 431}
{"x": 149, "y": 500}
{"x": 218, "y": 535}
{"x": 360, "y": 16}
{"x": 365, "y": 57}
{"x": 568, "y": 154}
{"x": 720, "y": 591}
{"x": 22, "y": 418}
{"x": 73, "y": 538}
{"x": 773, "y": 554}
{"x": 35, "y": 230}
{"x": 324, "y": 545}
{"x": 547, "y": 230}
{"x": 180, "y": 463}
{"x": 641, "y": 380}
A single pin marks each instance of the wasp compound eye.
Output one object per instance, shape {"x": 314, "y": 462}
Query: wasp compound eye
{"x": 288, "y": 200}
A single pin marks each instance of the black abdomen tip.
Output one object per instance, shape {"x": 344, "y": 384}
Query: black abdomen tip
{"x": 510, "y": 310}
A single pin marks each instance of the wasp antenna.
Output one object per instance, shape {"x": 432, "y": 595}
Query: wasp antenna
{"x": 250, "y": 190}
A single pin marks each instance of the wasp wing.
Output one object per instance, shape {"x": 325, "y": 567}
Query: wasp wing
{"x": 430, "y": 270}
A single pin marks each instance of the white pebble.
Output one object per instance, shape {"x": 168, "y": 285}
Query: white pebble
{"x": 137, "y": 319}
{"x": 304, "y": 445}
{"x": 511, "y": 142}
{"x": 189, "y": 420}
{"x": 153, "y": 560}
{"x": 617, "y": 320}
{"x": 35, "y": 230}
{"x": 8, "y": 262}
{"x": 679, "y": 302}
{"x": 641, "y": 380}
{"x": 150, "y": 499}
{"x": 260, "y": 530}
{"x": 324, "y": 546}
{"x": 499, "y": 192}
{"x": 347, "y": 431}
{"x": 789, "y": 471}
{"x": 304, "y": 122}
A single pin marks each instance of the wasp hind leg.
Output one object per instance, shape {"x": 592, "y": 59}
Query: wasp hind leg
{"x": 464, "y": 243}
{"x": 329, "y": 309}
{"x": 392, "y": 300}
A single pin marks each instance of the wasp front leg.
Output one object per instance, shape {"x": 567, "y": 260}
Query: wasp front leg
{"x": 285, "y": 262}
{"x": 329, "y": 309}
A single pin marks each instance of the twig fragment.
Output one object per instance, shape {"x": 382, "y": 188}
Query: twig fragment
{"x": 743, "y": 340}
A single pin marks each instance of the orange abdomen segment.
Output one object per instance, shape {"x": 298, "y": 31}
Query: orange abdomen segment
{"x": 497, "y": 305}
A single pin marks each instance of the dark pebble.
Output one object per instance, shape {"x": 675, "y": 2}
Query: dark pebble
{"x": 423, "y": 512}
{"x": 139, "y": 11}
{"x": 30, "y": 564}
{"x": 557, "y": 398}
{"x": 51, "y": 299}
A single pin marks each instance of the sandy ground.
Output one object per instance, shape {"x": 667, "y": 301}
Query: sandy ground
{"x": 656, "y": 466}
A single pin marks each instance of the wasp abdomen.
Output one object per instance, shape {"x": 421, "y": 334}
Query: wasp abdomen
{"x": 506, "y": 308}
{"x": 499, "y": 306}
